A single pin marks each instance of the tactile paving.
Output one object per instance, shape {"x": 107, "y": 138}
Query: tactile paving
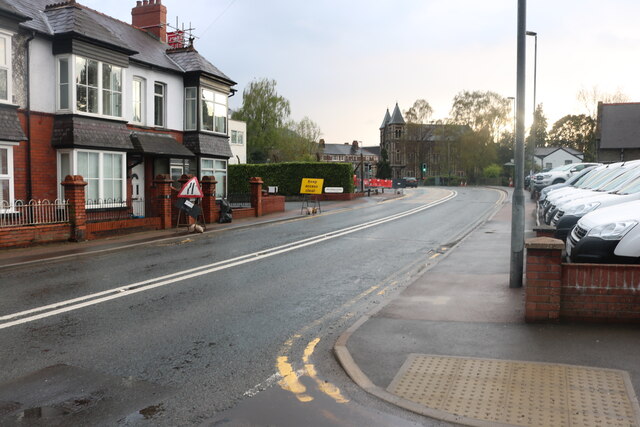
{"x": 519, "y": 393}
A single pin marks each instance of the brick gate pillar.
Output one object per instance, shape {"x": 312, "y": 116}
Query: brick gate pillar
{"x": 74, "y": 193}
{"x": 543, "y": 279}
{"x": 210, "y": 209}
{"x": 256, "y": 194}
{"x": 163, "y": 199}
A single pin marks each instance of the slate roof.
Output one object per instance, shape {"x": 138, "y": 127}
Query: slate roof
{"x": 385, "y": 121}
{"x": 8, "y": 9}
{"x": 190, "y": 60}
{"x": 212, "y": 145}
{"x": 77, "y": 131}
{"x": 159, "y": 144}
{"x": 346, "y": 150}
{"x": 543, "y": 152}
{"x": 396, "y": 117}
{"x": 10, "y": 128}
{"x": 76, "y": 19}
{"x": 620, "y": 126}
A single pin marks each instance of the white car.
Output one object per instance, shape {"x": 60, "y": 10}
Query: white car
{"x": 607, "y": 235}
{"x": 558, "y": 175}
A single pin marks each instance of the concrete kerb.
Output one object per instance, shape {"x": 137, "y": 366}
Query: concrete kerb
{"x": 345, "y": 359}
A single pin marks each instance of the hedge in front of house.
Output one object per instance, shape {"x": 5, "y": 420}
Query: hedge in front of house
{"x": 288, "y": 176}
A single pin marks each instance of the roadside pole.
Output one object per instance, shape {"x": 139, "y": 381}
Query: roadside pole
{"x": 517, "y": 211}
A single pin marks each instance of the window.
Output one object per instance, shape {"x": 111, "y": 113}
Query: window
{"x": 5, "y": 67}
{"x": 568, "y": 162}
{"x": 214, "y": 111}
{"x": 111, "y": 90}
{"x": 218, "y": 169}
{"x": 159, "y": 97}
{"x": 137, "y": 100}
{"x": 96, "y": 87}
{"x": 237, "y": 137}
{"x": 190, "y": 108}
{"x": 6, "y": 177}
{"x": 177, "y": 168}
{"x": 103, "y": 171}
{"x": 548, "y": 166}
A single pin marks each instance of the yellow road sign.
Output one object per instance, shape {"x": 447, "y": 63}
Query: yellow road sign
{"x": 311, "y": 186}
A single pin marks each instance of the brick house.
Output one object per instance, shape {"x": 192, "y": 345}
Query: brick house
{"x": 350, "y": 153}
{"x": 82, "y": 93}
{"x": 409, "y": 146}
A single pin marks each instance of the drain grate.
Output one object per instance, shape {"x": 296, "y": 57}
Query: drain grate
{"x": 519, "y": 393}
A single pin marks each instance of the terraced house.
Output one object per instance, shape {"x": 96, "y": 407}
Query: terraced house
{"x": 82, "y": 93}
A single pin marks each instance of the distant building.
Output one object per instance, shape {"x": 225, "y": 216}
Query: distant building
{"x": 238, "y": 142}
{"x": 409, "y": 146}
{"x": 552, "y": 157}
{"x": 618, "y": 132}
{"x": 350, "y": 153}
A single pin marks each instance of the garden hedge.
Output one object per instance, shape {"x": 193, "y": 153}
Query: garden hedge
{"x": 288, "y": 176}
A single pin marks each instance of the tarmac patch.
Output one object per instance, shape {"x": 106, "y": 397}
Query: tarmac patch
{"x": 516, "y": 393}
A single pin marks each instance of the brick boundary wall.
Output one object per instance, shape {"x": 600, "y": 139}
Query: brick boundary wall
{"x": 96, "y": 230}
{"x": 272, "y": 204}
{"x": 578, "y": 292}
{"x": 15, "y": 237}
{"x": 339, "y": 196}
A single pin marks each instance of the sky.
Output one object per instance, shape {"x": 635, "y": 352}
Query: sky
{"x": 342, "y": 63}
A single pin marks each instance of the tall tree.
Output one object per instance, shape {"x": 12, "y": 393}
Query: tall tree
{"x": 537, "y": 136}
{"x": 420, "y": 113}
{"x": 266, "y": 113}
{"x": 589, "y": 99}
{"x": 482, "y": 110}
{"x": 383, "y": 168}
{"x": 577, "y": 132}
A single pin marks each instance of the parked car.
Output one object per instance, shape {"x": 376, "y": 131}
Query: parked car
{"x": 569, "y": 213}
{"x": 607, "y": 235}
{"x": 558, "y": 175}
{"x": 410, "y": 181}
{"x": 573, "y": 181}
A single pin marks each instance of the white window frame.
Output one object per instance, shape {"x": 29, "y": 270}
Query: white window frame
{"x": 234, "y": 137}
{"x": 221, "y": 187}
{"x": 164, "y": 104}
{"x": 7, "y": 65}
{"x": 72, "y": 87}
{"x": 191, "y": 102}
{"x": 9, "y": 176}
{"x": 73, "y": 166}
{"x": 225, "y": 106}
{"x": 143, "y": 91}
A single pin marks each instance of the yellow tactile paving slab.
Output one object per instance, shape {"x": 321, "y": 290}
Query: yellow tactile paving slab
{"x": 519, "y": 393}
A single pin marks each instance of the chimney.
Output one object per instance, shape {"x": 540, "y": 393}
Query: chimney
{"x": 354, "y": 144}
{"x": 151, "y": 15}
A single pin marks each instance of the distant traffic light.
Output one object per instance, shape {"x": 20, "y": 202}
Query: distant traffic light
{"x": 424, "y": 168}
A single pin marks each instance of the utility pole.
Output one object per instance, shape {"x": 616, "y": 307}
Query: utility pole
{"x": 517, "y": 211}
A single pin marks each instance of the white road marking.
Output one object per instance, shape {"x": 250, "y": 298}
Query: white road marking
{"x": 123, "y": 291}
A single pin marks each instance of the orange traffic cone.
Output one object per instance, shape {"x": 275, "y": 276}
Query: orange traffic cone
{"x": 510, "y": 182}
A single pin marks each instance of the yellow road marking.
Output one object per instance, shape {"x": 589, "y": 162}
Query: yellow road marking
{"x": 290, "y": 380}
{"x": 325, "y": 387}
{"x": 434, "y": 256}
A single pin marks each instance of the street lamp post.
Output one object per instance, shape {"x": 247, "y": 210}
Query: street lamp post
{"x": 535, "y": 79}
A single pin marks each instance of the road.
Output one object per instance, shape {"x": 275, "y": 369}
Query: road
{"x": 226, "y": 328}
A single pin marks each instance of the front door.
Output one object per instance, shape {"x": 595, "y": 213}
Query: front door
{"x": 137, "y": 193}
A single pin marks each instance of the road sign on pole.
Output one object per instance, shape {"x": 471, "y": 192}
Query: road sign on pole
{"x": 191, "y": 190}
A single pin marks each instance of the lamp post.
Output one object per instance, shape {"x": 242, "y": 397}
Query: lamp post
{"x": 535, "y": 79}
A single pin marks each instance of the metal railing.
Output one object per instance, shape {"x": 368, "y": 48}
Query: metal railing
{"x": 238, "y": 200}
{"x": 34, "y": 212}
{"x": 99, "y": 210}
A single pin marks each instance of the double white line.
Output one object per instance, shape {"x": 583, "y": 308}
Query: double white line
{"x": 37, "y": 313}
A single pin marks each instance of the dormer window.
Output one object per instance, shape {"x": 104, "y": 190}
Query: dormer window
{"x": 95, "y": 88}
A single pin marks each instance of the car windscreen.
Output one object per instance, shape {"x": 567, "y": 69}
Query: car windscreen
{"x": 631, "y": 187}
{"x": 617, "y": 179}
{"x": 580, "y": 177}
{"x": 597, "y": 178}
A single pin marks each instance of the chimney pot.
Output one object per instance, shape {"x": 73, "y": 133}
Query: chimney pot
{"x": 139, "y": 3}
{"x": 145, "y": 2}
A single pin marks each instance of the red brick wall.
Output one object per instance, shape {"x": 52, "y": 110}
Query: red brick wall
{"x": 97, "y": 230}
{"x": 600, "y": 292}
{"x": 43, "y": 158}
{"x": 272, "y": 204}
{"x": 239, "y": 213}
{"x": 25, "y": 236}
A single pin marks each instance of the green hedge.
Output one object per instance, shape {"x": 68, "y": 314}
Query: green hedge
{"x": 288, "y": 176}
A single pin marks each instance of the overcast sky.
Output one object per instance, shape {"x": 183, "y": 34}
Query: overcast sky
{"x": 342, "y": 63}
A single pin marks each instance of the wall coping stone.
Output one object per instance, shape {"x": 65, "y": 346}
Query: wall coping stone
{"x": 544, "y": 243}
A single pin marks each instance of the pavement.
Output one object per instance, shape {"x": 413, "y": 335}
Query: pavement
{"x": 454, "y": 346}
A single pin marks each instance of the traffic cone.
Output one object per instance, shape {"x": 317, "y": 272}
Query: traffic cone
{"x": 510, "y": 182}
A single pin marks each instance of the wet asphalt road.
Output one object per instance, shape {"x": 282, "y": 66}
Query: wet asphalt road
{"x": 214, "y": 348}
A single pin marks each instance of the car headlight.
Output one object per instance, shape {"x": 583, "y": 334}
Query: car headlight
{"x": 613, "y": 230}
{"x": 581, "y": 209}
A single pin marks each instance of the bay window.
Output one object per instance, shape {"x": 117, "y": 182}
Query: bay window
{"x": 5, "y": 67}
{"x": 214, "y": 111}
{"x": 159, "y": 90}
{"x": 218, "y": 169}
{"x": 6, "y": 177}
{"x": 103, "y": 171}
{"x": 96, "y": 86}
{"x": 190, "y": 108}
